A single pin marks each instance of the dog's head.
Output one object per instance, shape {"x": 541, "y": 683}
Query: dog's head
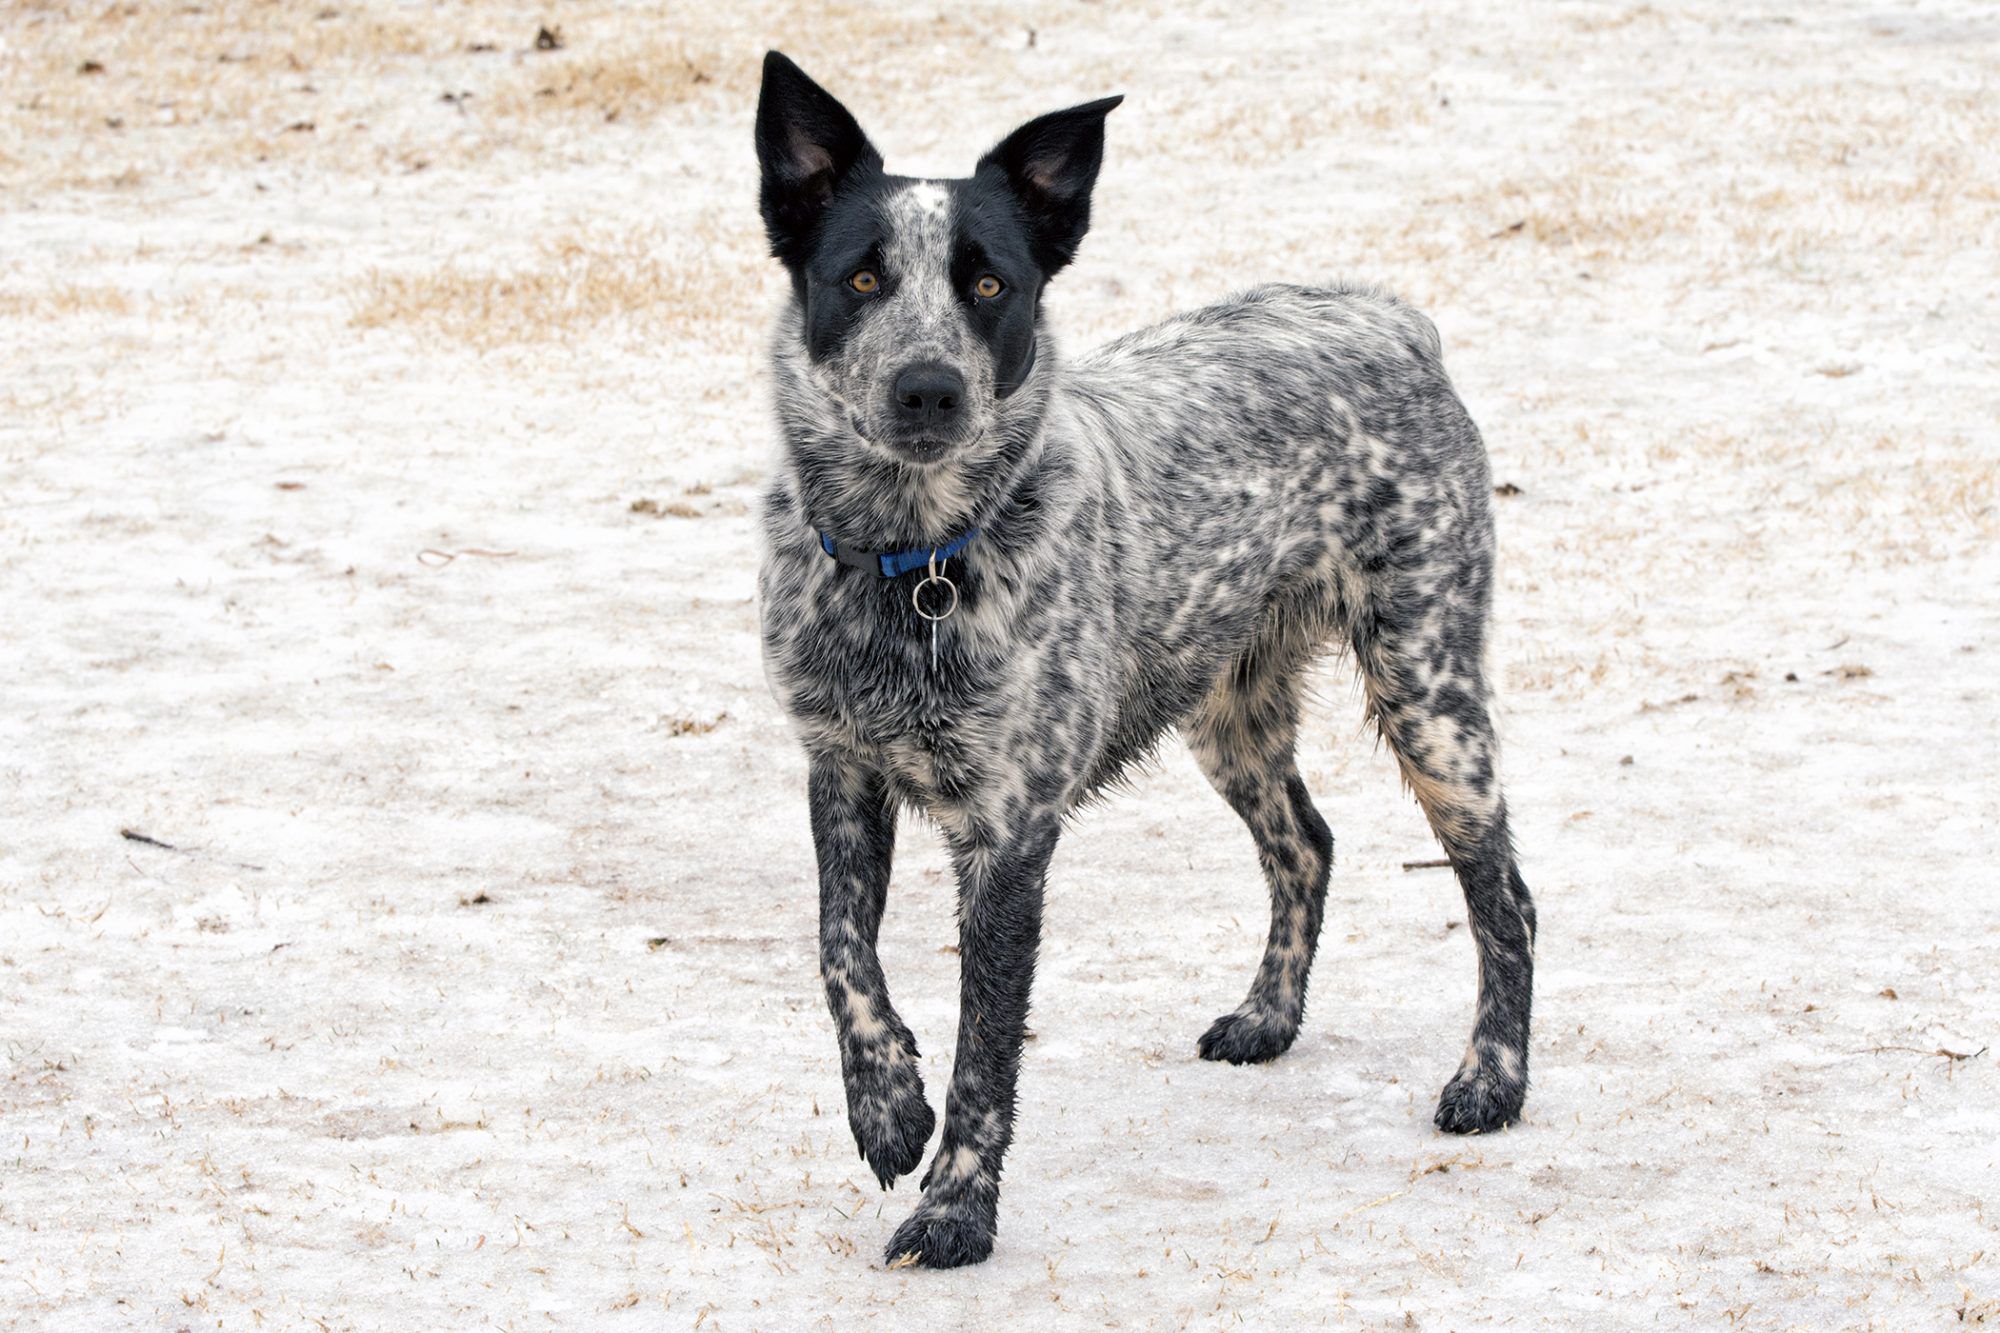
{"x": 920, "y": 299}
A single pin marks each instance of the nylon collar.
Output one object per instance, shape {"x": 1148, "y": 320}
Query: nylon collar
{"x": 890, "y": 564}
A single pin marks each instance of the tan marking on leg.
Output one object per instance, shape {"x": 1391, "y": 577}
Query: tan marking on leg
{"x": 861, "y": 1014}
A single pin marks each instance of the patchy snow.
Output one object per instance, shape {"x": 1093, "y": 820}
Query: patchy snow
{"x": 373, "y": 530}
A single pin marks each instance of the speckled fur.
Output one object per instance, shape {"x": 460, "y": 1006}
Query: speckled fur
{"x": 1173, "y": 527}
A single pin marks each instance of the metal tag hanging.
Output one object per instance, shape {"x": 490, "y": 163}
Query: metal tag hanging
{"x": 935, "y": 575}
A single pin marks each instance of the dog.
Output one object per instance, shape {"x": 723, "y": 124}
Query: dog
{"x": 993, "y": 578}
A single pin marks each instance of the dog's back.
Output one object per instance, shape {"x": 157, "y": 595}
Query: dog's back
{"x": 1313, "y": 386}
{"x": 1271, "y": 466}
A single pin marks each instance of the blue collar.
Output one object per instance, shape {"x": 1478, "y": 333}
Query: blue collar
{"x": 891, "y": 563}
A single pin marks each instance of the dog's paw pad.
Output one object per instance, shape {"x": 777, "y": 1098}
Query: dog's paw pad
{"x": 891, "y": 1122}
{"x": 933, "y": 1238}
{"x": 1247, "y": 1038}
{"x": 1478, "y": 1101}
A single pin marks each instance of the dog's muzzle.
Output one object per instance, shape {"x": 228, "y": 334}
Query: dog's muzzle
{"x": 926, "y": 411}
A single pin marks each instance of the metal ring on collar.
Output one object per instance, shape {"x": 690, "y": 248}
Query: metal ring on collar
{"x": 917, "y": 597}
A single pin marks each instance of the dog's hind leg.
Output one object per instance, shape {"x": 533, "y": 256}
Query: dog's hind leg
{"x": 1243, "y": 738}
{"x": 1420, "y": 659}
{"x": 854, "y": 834}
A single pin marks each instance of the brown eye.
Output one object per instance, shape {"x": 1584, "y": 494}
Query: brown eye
{"x": 865, "y": 281}
{"x": 988, "y": 287}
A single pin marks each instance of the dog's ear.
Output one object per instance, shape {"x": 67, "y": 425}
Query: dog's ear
{"x": 1050, "y": 164}
{"x": 807, "y": 143}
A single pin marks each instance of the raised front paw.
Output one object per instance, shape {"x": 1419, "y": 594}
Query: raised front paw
{"x": 889, "y": 1116}
{"x": 1248, "y": 1036}
{"x": 946, "y": 1233}
{"x": 1480, "y": 1097}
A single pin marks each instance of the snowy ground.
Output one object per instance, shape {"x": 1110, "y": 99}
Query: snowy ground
{"x": 374, "y": 477}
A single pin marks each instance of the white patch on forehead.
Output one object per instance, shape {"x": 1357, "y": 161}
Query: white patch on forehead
{"x": 920, "y": 219}
{"x": 927, "y": 197}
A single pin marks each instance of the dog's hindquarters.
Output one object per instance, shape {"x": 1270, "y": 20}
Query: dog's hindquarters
{"x": 1418, "y": 642}
{"x": 1376, "y": 527}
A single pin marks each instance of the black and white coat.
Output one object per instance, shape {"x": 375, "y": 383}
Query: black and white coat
{"x": 1170, "y": 528}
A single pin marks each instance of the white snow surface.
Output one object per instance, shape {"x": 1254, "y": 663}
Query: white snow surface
{"x": 375, "y": 530}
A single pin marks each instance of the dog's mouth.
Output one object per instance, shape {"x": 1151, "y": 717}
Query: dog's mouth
{"x": 920, "y": 449}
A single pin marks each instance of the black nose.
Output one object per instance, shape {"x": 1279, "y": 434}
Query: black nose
{"x": 928, "y": 392}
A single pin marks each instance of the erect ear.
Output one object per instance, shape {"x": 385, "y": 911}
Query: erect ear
{"x": 1050, "y": 163}
{"x": 807, "y": 143}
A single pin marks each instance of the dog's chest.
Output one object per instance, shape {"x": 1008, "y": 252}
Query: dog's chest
{"x": 856, "y": 668}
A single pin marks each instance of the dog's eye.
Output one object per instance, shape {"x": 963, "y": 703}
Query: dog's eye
{"x": 988, "y": 287}
{"x": 865, "y": 281}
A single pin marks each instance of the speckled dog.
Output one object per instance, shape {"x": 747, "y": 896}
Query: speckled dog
{"x": 995, "y": 577}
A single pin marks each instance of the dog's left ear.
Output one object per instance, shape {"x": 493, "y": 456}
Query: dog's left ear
{"x": 1050, "y": 164}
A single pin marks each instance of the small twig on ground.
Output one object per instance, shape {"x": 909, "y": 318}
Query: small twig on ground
{"x": 1374, "y": 1203}
{"x": 1437, "y": 863}
{"x": 147, "y": 840}
{"x": 437, "y": 559}
{"x": 1953, "y": 1056}
{"x": 1443, "y": 1165}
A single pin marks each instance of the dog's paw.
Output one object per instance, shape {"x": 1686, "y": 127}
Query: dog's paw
{"x": 1478, "y": 1100}
{"x": 943, "y": 1235}
{"x": 890, "y": 1118}
{"x": 1248, "y": 1038}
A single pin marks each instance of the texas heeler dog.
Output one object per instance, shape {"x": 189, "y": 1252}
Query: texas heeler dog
{"x": 996, "y": 577}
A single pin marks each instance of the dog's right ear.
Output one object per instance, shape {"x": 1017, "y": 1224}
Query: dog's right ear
{"x": 807, "y": 143}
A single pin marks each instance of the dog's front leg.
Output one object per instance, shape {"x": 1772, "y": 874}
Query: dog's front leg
{"x": 1000, "y": 878}
{"x": 854, "y": 833}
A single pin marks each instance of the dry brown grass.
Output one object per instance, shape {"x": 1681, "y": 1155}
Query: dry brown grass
{"x": 66, "y": 301}
{"x": 122, "y": 93}
{"x": 630, "y": 81}
{"x": 610, "y": 68}
{"x": 640, "y": 287}
{"x": 103, "y": 91}
{"x": 1789, "y": 172}
{"x": 110, "y": 95}
{"x": 1601, "y": 22}
{"x": 1910, "y": 503}
{"x": 1347, "y": 111}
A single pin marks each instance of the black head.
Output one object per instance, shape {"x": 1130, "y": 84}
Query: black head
{"x": 920, "y": 300}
